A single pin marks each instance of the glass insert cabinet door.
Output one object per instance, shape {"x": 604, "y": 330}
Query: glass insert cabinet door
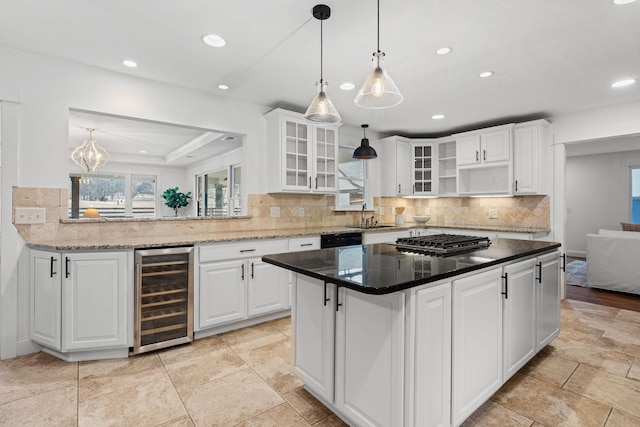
{"x": 297, "y": 173}
{"x": 422, "y": 168}
{"x": 326, "y": 148}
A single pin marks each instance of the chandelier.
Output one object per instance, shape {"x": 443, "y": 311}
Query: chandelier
{"x": 90, "y": 155}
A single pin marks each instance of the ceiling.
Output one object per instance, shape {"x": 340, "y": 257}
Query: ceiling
{"x": 549, "y": 57}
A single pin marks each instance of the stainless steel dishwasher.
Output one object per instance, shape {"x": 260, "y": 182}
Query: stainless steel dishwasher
{"x": 164, "y": 298}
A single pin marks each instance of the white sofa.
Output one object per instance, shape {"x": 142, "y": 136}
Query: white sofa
{"x": 613, "y": 260}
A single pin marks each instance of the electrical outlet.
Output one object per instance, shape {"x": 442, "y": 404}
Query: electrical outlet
{"x": 301, "y": 212}
{"x": 275, "y": 212}
{"x": 380, "y": 210}
{"x": 493, "y": 213}
{"x": 30, "y": 215}
{"x": 427, "y": 211}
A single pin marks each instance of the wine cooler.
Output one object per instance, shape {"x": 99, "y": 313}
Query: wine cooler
{"x": 164, "y": 298}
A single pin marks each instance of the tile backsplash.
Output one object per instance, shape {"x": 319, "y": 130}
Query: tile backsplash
{"x": 295, "y": 211}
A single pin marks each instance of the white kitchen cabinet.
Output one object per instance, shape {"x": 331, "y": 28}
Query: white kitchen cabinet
{"x": 304, "y": 155}
{"x": 384, "y": 236}
{"x": 369, "y": 360}
{"x": 430, "y": 377}
{"x": 298, "y": 244}
{"x": 395, "y": 153}
{"x": 447, "y": 167}
{"x": 423, "y": 168}
{"x": 548, "y": 298}
{"x": 235, "y": 284}
{"x": 80, "y": 300}
{"x": 477, "y": 341}
{"x": 314, "y": 328}
{"x": 530, "y": 153}
{"x": 519, "y": 305}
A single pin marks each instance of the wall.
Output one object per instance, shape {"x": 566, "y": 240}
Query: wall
{"x": 598, "y": 195}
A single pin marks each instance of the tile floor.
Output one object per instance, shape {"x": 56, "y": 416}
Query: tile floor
{"x": 589, "y": 376}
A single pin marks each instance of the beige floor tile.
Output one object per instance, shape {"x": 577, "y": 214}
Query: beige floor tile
{"x": 184, "y": 421}
{"x": 291, "y": 389}
{"x": 271, "y": 360}
{"x": 550, "y": 405}
{"x": 105, "y": 376}
{"x": 283, "y": 325}
{"x": 280, "y": 416}
{"x": 589, "y": 308}
{"x": 493, "y": 414}
{"x": 576, "y": 332}
{"x": 199, "y": 346}
{"x": 230, "y": 400}
{"x": 567, "y": 313}
{"x": 33, "y": 374}
{"x": 629, "y": 316}
{"x": 550, "y": 368}
{"x": 618, "y": 418}
{"x": 54, "y": 408}
{"x": 331, "y": 421}
{"x": 149, "y": 404}
{"x": 190, "y": 370}
{"x": 614, "y": 362}
{"x": 634, "y": 372}
{"x": 246, "y": 339}
{"x": 597, "y": 384}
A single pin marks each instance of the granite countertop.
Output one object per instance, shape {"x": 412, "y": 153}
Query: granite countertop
{"x": 383, "y": 269}
{"x": 183, "y": 239}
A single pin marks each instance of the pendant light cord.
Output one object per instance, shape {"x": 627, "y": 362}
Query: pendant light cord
{"x": 378, "y": 26}
{"x": 321, "y": 54}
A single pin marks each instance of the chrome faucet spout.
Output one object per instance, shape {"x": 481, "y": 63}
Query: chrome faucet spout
{"x": 362, "y": 223}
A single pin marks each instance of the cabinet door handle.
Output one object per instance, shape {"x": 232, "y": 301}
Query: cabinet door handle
{"x": 326, "y": 300}
{"x": 477, "y": 156}
{"x": 414, "y": 188}
{"x": 306, "y": 244}
{"x": 309, "y": 183}
{"x": 67, "y": 273}
{"x": 516, "y": 185}
{"x": 484, "y": 154}
{"x": 564, "y": 262}
{"x": 247, "y": 250}
{"x": 252, "y": 270}
{"x": 338, "y": 303}
{"x": 506, "y": 286}
{"x": 242, "y": 277}
{"x": 539, "y": 278}
{"x": 399, "y": 188}
{"x": 51, "y": 272}
{"x": 316, "y": 182}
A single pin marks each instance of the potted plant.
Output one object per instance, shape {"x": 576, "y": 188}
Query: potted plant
{"x": 176, "y": 199}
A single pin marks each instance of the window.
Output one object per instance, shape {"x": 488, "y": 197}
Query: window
{"x": 113, "y": 196}
{"x": 635, "y": 195}
{"x": 219, "y": 192}
{"x": 352, "y": 181}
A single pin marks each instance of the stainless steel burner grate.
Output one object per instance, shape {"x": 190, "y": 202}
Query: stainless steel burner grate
{"x": 442, "y": 243}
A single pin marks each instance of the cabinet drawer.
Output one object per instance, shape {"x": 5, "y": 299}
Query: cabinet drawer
{"x": 244, "y": 249}
{"x": 304, "y": 244}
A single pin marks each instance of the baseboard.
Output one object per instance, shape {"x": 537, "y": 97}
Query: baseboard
{"x": 576, "y": 254}
{"x": 26, "y": 346}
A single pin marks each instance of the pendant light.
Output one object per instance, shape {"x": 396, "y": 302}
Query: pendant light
{"x": 379, "y": 90}
{"x": 321, "y": 108}
{"x": 90, "y": 156}
{"x": 365, "y": 151}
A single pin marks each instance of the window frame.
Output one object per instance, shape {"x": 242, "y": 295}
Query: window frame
{"x": 367, "y": 195}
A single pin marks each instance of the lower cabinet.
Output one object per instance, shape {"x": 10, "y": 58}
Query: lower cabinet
{"x": 477, "y": 341}
{"x": 80, "y": 301}
{"x": 222, "y": 293}
{"x": 548, "y": 286}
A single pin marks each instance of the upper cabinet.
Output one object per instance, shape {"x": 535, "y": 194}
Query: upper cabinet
{"x": 423, "y": 168}
{"x": 306, "y": 154}
{"x": 530, "y": 148}
{"x": 395, "y": 152}
{"x": 484, "y": 161}
{"x": 447, "y": 171}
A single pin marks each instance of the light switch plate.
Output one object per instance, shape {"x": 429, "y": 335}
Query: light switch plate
{"x": 301, "y": 212}
{"x": 275, "y": 212}
{"x": 493, "y": 213}
{"x": 30, "y": 215}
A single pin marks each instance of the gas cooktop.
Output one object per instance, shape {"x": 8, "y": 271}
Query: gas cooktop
{"x": 442, "y": 244}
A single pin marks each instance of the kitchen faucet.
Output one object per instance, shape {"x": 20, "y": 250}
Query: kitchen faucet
{"x": 362, "y": 223}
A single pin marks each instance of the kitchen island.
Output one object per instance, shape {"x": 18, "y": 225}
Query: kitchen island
{"x": 386, "y": 337}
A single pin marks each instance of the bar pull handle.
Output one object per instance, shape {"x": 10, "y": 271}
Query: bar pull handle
{"x": 484, "y": 154}
{"x": 477, "y": 156}
{"x": 506, "y": 286}
{"x": 316, "y": 182}
{"x": 306, "y": 244}
{"x": 309, "y": 183}
{"x": 67, "y": 273}
{"x": 338, "y": 303}
{"x": 252, "y": 270}
{"x": 516, "y": 185}
{"x": 539, "y": 278}
{"x": 242, "y": 272}
{"x": 326, "y": 300}
{"x": 563, "y": 267}
{"x": 247, "y": 250}
{"x": 51, "y": 272}
{"x": 399, "y": 188}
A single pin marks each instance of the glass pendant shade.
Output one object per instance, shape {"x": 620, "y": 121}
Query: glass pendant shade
{"x": 365, "y": 151}
{"x": 90, "y": 155}
{"x": 321, "y": 108}
{"x": 379, "y": 90}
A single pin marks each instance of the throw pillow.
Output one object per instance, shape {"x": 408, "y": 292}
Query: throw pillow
{"x": 629, "y": 227}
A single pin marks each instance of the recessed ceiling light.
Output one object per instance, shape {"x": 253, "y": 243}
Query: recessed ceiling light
{"x": 437, "y": 116}
{"x": 223, "y": 87}
{"x": 622, "y": 83}
{"x": 623, "y": 1}
{"x": 443, "y": 51}
{"x": 129, "y": 63}
{"x": 347, "y": 86}
{"x": 143, "y": 151}
{"x": 486, "y": 74}
{"x": 214, "y": 40}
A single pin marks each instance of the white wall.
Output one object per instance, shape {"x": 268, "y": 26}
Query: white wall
{"x": 597, "y": 195}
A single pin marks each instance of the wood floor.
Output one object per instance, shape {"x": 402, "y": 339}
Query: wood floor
{"x": 602, "y": 297}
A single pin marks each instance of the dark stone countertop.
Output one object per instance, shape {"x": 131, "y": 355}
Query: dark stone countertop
{"x": 382, "y": 269}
